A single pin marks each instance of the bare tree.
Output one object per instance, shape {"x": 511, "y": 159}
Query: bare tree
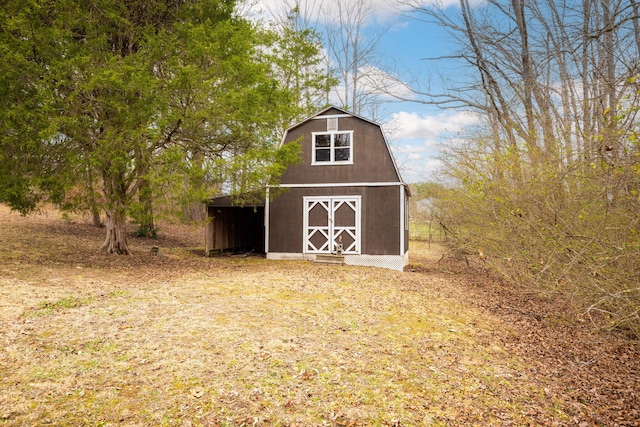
{"x": 552, "y": 184}
{"x": 352, "y": 43}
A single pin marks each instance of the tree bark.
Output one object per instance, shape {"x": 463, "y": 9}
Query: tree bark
{"x": 636, "y": 22}
{"x": 116, "y": 241}
{"x": 608, "y": 149}
{"x": 93, "y": 203}
{"x": 116, "y": 197}
{"x": 528, "y": 77}
{"x": 95, "y": 213}
{"x": 147, "y": 226}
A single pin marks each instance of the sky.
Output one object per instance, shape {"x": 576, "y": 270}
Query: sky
{"x": 417, "y": 132}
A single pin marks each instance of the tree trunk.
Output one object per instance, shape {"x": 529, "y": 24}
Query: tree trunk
{"x": 528, "y": 78}
{"x": 147, "y": 226}
{"x": 608, "y": 148}
{"x": 588, "y": 87}
{"x": 116, "y": 240}
{"x": 95, "y": 215}
{"x": 93, "y": 203}
{"x": 192, "y": 209}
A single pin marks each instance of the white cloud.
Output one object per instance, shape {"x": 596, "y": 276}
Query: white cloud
{"x": 410, "y": 152}
{"x": 416, "y": 162}
{"x": 417, "y": 139}
{"x": 379, "y": 10}
{"x": 379, "y": 82}
{"x": 417, "y": 165}
{"x": 440, "y": 4}
{"x": 411, "y": 125}
{"x": 430, "y": 170}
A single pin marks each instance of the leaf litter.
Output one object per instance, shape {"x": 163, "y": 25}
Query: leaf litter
{"x": 230, "y": 341}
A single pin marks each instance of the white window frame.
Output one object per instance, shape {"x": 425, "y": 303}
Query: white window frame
{"x": 332, "y": 148}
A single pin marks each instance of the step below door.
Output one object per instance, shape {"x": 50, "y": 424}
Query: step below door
{"x": 330, "y": 222}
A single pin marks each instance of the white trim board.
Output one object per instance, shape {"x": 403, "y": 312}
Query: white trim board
{"x": 341, "y": 184}
{"x": 331, "y": 116}
{"x": 266, "y": 222}
{"x": 402, "y": 219}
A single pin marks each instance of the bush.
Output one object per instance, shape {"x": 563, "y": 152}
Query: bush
{"x": 569, "y": 231}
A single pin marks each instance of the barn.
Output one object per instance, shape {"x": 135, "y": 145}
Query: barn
{"x": 345, "y": 202}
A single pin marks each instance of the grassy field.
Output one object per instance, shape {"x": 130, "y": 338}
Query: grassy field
{"x": 183, "y": 340}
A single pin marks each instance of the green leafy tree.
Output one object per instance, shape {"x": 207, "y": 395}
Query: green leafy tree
{"x": 30, "y": 154}
{"x": 298, "y": 62}
{"x": 118, "y": 88}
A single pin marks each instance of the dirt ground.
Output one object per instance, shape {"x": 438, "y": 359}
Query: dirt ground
{"x": 179, "y": 339}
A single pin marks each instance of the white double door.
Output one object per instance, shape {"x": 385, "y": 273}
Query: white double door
{"x": 330, "y": 223}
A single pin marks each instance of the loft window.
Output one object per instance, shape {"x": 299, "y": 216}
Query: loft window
{"x": 332, "y": 148}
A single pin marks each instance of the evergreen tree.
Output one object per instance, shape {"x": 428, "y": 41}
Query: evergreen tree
{"x": 128, "y": 91}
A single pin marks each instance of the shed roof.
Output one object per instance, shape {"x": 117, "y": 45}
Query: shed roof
{"x": 253, "y": 199}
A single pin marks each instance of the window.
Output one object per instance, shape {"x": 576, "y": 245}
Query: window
{"x": 332, "y": 148}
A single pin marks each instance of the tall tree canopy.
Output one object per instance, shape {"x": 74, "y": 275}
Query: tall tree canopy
{"x": 133, "y": 95}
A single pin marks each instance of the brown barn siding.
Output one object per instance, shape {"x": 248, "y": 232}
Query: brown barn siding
{"x": 379, "y": 235}
{"x": 372, "y": 162}
{"x": 383, "y": 220}
{"x": 285, "y": 223}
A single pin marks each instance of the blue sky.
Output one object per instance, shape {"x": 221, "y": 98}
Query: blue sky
{"x": 416, "y": 132}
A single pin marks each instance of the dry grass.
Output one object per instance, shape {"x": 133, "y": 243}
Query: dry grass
{"x": 90, "y": 339}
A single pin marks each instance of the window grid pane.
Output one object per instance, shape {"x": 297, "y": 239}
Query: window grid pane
{"x": 323, "y": 155}
{"x": 323, "y": 140}
{"x": 342, "y": 154}
{"x": 332, "y": 147}
{"x": 342, "y": 140}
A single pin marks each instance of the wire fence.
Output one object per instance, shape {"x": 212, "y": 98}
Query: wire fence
{"x": 425, "y": 231}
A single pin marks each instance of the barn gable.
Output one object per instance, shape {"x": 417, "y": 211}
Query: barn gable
{"x": 342, "y": 148}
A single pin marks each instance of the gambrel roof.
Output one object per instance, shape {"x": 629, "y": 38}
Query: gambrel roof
{"x": 336, "y": 112}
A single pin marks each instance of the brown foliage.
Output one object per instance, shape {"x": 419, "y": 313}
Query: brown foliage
{"x": 571, "y": 234}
